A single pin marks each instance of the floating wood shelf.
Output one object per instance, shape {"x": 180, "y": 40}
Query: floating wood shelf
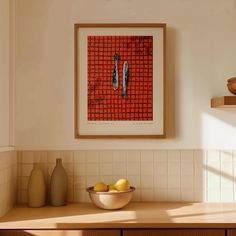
{"x": 224, "y": 101}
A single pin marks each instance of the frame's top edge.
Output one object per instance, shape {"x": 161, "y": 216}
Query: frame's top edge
{"x": 119, "y": 25}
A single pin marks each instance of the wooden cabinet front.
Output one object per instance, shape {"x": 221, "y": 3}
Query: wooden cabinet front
{"x": 175, "y": 232}
{"x": 60, "y": 232}
{"x": 231, "y": 232}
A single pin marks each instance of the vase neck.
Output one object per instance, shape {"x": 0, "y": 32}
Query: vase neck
{"x": 37, "y": 165}
{"x": 58, "y": 161}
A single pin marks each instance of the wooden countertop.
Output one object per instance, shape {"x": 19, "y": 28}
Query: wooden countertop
{"x": 135, "y": 215}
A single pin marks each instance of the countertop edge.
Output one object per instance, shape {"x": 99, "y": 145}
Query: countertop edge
{"x": 135, "y": 216}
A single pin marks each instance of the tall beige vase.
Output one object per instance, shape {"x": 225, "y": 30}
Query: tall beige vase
{"x": 58, "y": 186}
{"x": 36, "y": 187}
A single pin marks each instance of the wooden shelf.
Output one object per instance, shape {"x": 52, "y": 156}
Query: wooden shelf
{"x": 224, "y": 101}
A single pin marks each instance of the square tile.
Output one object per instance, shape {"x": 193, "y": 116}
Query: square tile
{"x": 79, "y": 182}
{"x": 69, "y": 168}
{"x": 187, "y": 182}
{"x": 173, "y": 156}
{"x": 213, "y": 181}
{"x": 187, "y": 168}
{"x": 161, "y": 181}
{"x": 79, "y": 169}
{"x": 174, "y": 168}
{"x": 213, "y": 195}
{"x": 213, "y": 156}
{"x": 160, "y": 156}
{"x": 105, "y": 156}
{"x": 199, "y": 195}
{"x": 23, "y": 183}
{"x": 27, "y": 157}
{"x": 199, "y": 157}
{"x": 160, "y": 194}
{"x": 80, "y": 195}
{"x": 67, "y": 156}
{"x": 105, "y": 168}
{"x": 173, "y": 181}
{"x": 92, "y": 180}
{"x": 161, "y": 168}
{"x": 147, "y": 181}
{"x": 186, "y": 156}
{"x": 134, "y": 180}
{"x": 133, "y": 156}
{"x": 79, "y": 157}
{"x": 227, "y": 194}
{"x": 119, "y": 156}
{"x": 92, "y": 156}
{"x": 146, "y": 168}
{"x": 40, "y": 156}
{"x": 227, "y": 169}
{"x": 53, "y": 155}
{"x": 136, "y": 195}
{"x": 147, "y": 156}
{"x": 92, "y": 169}
{"x": 70, "y": 181}
{"x": 115, "y": 178}
{"x": 133, "y": 168}
{"x": 226, "y": 156}
{"x": 173, "y": 194}
{"x": 200, "y": 182}
{"x": 226, "y": 183}
{"x": 107, "y": 179}
{"x": 26, "y": 169}
{"x": 70, "y": 195}
{"x": 187, "y": 195}
{"x": 147, "y": 194}
{"x": 119, "y": 168}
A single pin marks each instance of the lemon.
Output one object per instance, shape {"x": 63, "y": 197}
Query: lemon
{"x": 100, "y": 187}
{"x": 122, "y": 185}
{"x": 113, "y": 191}
{"x": 112, "y": 187}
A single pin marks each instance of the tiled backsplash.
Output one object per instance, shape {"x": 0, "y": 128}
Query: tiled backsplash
{"x": 8, "y": 174}
{"x": 163, "y": 175}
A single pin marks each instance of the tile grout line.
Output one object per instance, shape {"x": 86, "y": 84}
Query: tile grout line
{"x": 153, "y": 179}
{"x": 206, "y": 177}
{"x": 220, "y": 163}
{"x": 233, "y": 171}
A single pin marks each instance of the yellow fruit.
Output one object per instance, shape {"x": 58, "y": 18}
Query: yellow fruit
{"x": 112, "y": 187}
{"x": 100, "y": 187}
{"x": 122, "y": 185}
{"x": 113, "y": 191}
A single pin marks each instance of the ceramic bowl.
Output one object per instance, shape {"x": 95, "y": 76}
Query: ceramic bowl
{"x": 110, "y": 200}
{"x": 232, "y": 85}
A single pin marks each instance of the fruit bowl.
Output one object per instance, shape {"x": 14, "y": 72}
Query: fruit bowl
{"x": 110, "y": 200}
{"x": 232, "y": 85}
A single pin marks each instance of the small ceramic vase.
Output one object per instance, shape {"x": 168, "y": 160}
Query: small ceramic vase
{"x": 58, "y": 186}
{"x": 36, "y": 187}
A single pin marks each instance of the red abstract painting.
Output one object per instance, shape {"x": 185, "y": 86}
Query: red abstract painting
{"x": 120, "y": 78}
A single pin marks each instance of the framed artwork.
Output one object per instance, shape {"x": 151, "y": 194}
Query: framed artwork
{"x": 119, "y": 80}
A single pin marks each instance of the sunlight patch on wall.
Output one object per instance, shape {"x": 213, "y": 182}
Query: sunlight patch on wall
{"x": 217, "y": 133}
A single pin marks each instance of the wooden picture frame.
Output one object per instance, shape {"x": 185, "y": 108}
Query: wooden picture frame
{"x": 119, "y": 82}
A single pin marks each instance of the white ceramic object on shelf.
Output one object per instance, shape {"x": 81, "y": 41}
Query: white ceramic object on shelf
{"x": 36, "y": 187}
{"x": 58, "y": 186}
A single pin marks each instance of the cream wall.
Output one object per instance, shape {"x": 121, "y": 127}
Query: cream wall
{"x": 201, "y": 51}
{"x": 4, "y": 73}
